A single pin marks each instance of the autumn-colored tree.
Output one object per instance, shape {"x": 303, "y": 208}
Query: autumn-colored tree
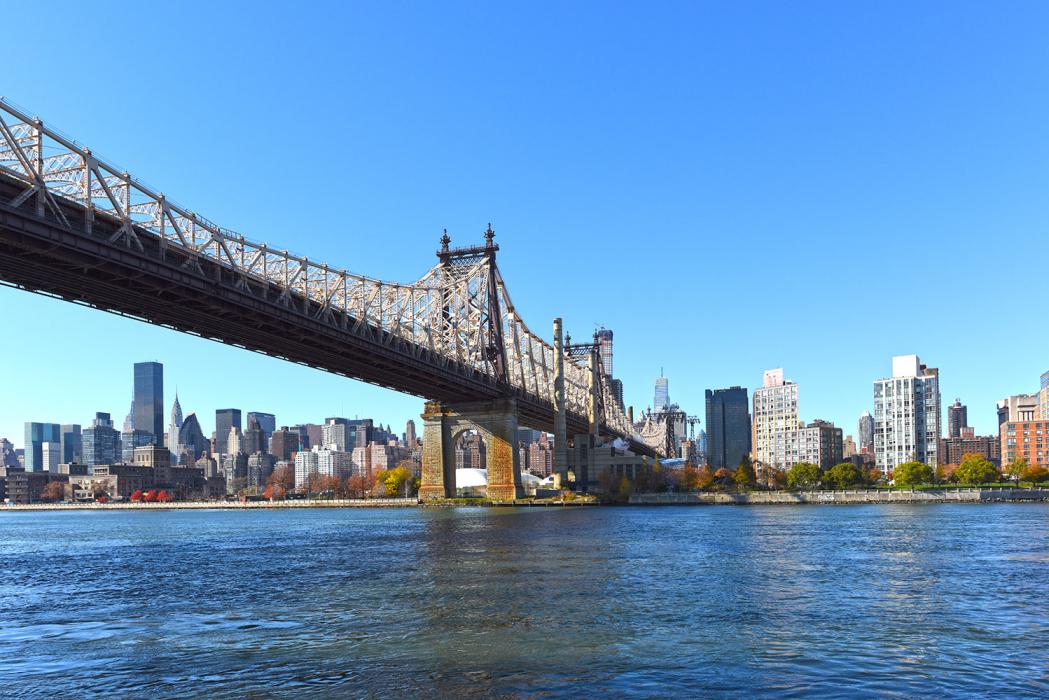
{"x": 775, "y": 478}
{"x": 1035, "y": 474}
{"x": 164, "y": 497}
{"x": 704, "y": 478}
{"x": 688, "y": 479}
{"x": 945, "y": 473}
{"x": 54, "y": 491}
{"x": 1017, "y": 467}
{"x": 976, "y": 469}
{"x": 651, "y": 479}
{"x": 843, "y": 475}
{"x": 150, "y": 496}
{"x": 722, "y": 480}
{"x": 912, "y": 474}
{"x": 395, "y": 480}
{"x": 283, "y": 481}
{"x": 358, "y": 486}
{"x": 135, "y": 496}
{"x": 803, "y": 475}
{"x": 745, "y": 477}
{"x": 273, "y": 492}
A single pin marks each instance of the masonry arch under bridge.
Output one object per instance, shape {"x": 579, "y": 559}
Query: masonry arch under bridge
{"x": 495, "y": 421}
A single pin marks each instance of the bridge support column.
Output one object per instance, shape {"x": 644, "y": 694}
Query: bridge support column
{"x": 496, "y": 422}
{"x": 438, "y": 468}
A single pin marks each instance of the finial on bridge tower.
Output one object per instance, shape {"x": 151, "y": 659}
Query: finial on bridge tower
{"x": 489, "y": 234}
{"x": 445, "y": 240}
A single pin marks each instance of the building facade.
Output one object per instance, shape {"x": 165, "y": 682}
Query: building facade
{"x": 101, "y": 441}
{"x": 1027, "y": 438}
{"x": 147, "y": 406}
{"x": 775, "y": 421}
{"x": 728, "y": 427}
{"x": 957, "y": 419}
{"x": 175, "y": 428}
{"x": 866, "y": 433}
{"x": 907, "y": 415}
{"x": 952, "y": 450}
{"x": 36, "y": 434}
{"x": 225, "y": 418}
{"x": 72, "y": 443}
{"x": 819, "y": 442}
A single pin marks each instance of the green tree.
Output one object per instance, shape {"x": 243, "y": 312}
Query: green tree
{"x": 912, "y": 474}
{"x": 744, "y": 476}
{"x": 803, "y": 475}
{"x": 843, "y": 475}
{"x": 976, "y": 469}
{"x": 1017, "y": 467}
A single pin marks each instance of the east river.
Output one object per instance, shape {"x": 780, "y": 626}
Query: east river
{"x": 851, "y": 601}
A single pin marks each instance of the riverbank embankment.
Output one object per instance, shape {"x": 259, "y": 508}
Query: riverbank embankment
{"x": 961, "y": 495}
{"x": 223, "y": 505}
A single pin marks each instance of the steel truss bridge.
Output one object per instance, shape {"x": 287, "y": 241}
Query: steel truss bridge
{"x": 75, "y": 227}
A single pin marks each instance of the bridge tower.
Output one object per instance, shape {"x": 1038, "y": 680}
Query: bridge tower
{"x": 496, "y": 420}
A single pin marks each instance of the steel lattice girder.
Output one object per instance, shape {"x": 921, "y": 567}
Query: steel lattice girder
{"x": 443, "y": 321}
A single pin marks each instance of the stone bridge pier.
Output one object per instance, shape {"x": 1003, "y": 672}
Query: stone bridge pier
{"x": 495, "y": 421}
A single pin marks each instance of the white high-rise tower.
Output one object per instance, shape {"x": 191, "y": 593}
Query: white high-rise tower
{"x": 907, "y": 415}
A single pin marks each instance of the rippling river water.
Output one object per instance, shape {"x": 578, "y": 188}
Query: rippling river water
{"x": 946, "y": 600}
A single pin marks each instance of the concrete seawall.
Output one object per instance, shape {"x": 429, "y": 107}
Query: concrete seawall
{"x": 843, "y": 497}
{"x": 220, "y": 505}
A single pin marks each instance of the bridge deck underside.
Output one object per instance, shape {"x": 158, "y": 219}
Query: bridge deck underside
{"x": 39, "y": 254}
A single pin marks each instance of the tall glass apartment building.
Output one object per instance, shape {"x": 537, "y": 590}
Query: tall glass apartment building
{"x": 147, "y": 407}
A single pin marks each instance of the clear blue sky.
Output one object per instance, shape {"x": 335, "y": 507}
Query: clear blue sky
{"x": 728, "y": 186}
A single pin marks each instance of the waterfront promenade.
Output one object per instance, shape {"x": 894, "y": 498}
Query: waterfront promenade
{"x": 846, "y": 497}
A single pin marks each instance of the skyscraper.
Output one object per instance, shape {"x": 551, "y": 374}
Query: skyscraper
{"x": 191, "y": 439}
{"x": 101, "y": 441}
{"x": 339, "y": 434}
{"x": 1043, "y": 396}
{"x": 174, "y": 429}
{"x": 775, "y": 421}
{"x": 254, "y": 437}
{"x": 72, "y": 443}
{"x": 957, "y": 418}
{"x": 284, "y": 443}
{"x": 148, "y": 401}
{"x": 907, "y": 414}
{"x": 866, "y": 432}
{"x": 36, "y": 434}
{"x": 267, "y": 422}
{"x": 728, "y": 427}
{"x": 604, "y": 346}
{"x": 225, "y": 418}
{"x": 662, "y": 397}
{"x": 410, "y": 439}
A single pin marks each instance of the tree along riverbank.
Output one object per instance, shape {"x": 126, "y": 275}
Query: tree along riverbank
{"x": 847, "y": 497}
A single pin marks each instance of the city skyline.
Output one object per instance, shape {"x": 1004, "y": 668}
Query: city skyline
{"x": 708, "y": 194}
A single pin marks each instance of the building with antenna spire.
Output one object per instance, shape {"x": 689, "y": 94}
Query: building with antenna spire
{"x": 174, "y": 429}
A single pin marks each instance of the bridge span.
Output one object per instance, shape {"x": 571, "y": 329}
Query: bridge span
{"x": 75, "y": 227}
